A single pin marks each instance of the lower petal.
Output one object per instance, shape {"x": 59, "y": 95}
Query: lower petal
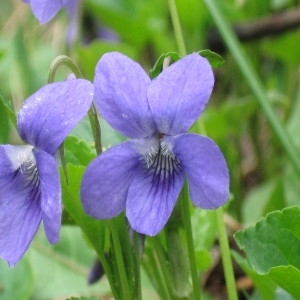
{"x": 20, "y": 212}
{"x": 205, "y": 167}
{"x": 50, "y": 194}
{"x": 105, "y": 183}
{"x": 151, "y": 199}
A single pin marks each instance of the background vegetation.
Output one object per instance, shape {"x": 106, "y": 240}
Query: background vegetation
{"x": 263, "y": 177}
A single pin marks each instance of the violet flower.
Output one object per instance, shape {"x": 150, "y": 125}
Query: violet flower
{"x": 145, "y": 175}
{"x": 30, "y": 189}
{"x": 45, "y": 10}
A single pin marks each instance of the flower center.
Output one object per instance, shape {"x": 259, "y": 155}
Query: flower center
{"x": 24, "y": 164}
{"x": 29, "y": 170}
{"x": 161, "y": 159}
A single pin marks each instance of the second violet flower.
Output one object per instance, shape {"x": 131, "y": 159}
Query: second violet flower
{"x": 145, "y": 175}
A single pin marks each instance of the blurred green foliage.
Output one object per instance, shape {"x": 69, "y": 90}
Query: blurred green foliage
{"x": 262, "y": 179}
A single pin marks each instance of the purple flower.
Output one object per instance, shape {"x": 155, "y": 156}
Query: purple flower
{"x": 145, "y": 175}
{"x": 29, "y": 180}
{"x": 45, "y": 10}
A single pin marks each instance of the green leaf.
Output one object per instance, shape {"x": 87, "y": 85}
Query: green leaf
{"x": 158, "y": 66}
{"x": 6, "y": 107}
{"x": 108, "y": 135}
{"x": 16, "y": 283}
{"x": 61, "y": 270}
{"x": 259, "y": 198}
{"x": 179, "y": 264}
{"x": 265, "y": 285}
{"x": 93, "y": 229}
{"x": 214, "y": 59}
{"x": 204, "y": 228}
{"x": 272, "y": 247}
{"x": 78, "y": 152}
{"x": 288, "y": 277}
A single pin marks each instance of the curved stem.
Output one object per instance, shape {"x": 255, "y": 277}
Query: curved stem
{"x": 63, "y": 60}
{"x": 66, "y": 61}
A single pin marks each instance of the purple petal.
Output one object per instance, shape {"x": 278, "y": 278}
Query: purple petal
{"x": 205, "y": 167}
{"x": 45, "y": 10}
{"x": 50, "y": 194}
{"x": 20, "y": 213}
{"x": 49, "y": 115}
{"x": 105, "y": 183}
{"x": 73, "y": 12}
{"x": 151, "y": 199}
{"x": 179, "y": 94}
{"x": 121, "y": 95}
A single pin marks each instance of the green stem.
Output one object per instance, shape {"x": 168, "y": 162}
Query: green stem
{"x": 253, "y": 80}
{"x": 93, "y": 117}
{"x": 161, "y": 262}
{"x": 154, "y": 270}
{"x": 226, "y": 257}
{"x": 190, "y": 242}
{"x": 109, "y": 275}
{"x": 185, "y": 200}
{"x": 177, "y": 27}
{"x": 66, "y": 61}
{"x": 120, "y": 261}
{"x": 136, "y": 266}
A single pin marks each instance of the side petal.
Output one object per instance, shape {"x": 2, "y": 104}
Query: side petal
{"x": 151, "y": 199}
{"x": 45, "y": 10}
{"x": 20, "y": 213}
{"x": 50, "y": 194}
{"x": 205, "y": 168}
{"x": 121, "y": 95}
{"x": 179, "y": 94}
{"x": 105, "y": 183}
{"x": 48, "y": 116}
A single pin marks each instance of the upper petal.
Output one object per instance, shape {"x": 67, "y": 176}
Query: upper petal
{"x": 179, "y": 94}
{"x": 45, "y": 10}
{"x": 20, "y": 213}
{"x": 205, "y": 167}
{"x": 152, "y": 195}
{"x": 50, "y": 194}
{"x": 48, "y": 116}
{"x": 121, "y": 95}
{"x": 105, "y": 183}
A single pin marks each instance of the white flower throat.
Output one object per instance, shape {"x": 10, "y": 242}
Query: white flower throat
{"x": 23, "y": 162}
{"x": 161, "y": 159}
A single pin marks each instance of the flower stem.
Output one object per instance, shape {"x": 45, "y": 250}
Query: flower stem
{"x": 137, "y": 266}
{"x": 177, "y": 27}
{"x": 185, "y": 194}
{"x": 190, "y": 242}
{"x": 65, "y": 61}
{"x": 226, "y": 257}
{"x": 126, "y": 292}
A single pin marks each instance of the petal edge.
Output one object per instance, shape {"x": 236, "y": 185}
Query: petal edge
{"x": 205, "y": 168}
